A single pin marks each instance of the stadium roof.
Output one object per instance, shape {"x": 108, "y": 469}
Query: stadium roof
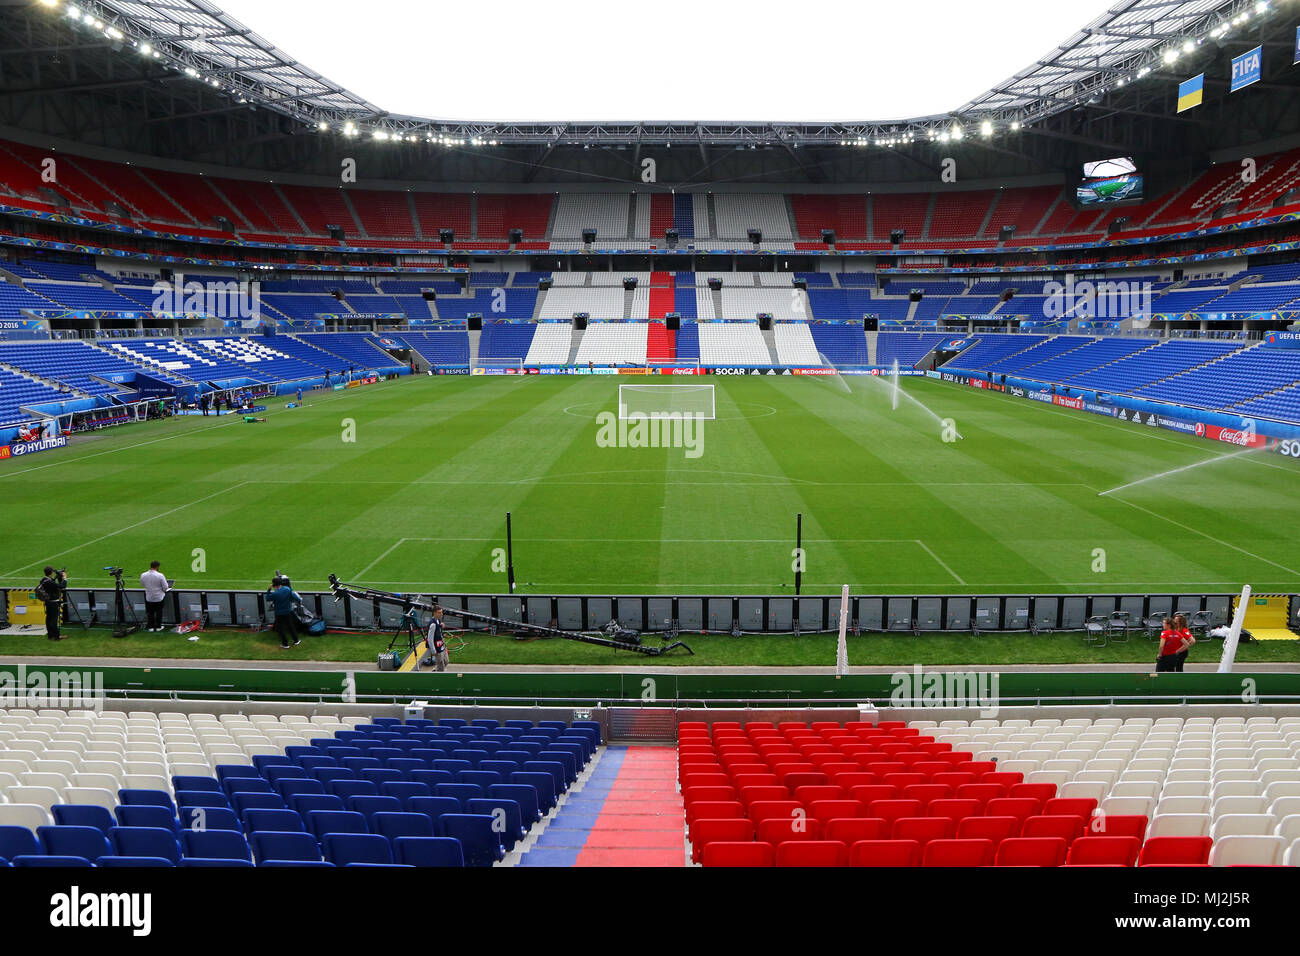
{"x": 1129, "y": 41}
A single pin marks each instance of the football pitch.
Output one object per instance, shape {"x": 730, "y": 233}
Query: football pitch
{"x": 405, "y": 485}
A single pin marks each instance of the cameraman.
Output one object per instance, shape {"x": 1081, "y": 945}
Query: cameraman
{"x": 155, "y": 590}
{"x": 50, "y": 592}
{"x": 438, "y": 656}
{"x": 283, "y": 598}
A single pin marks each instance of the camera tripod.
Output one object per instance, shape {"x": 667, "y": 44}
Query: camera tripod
{"x": 128, "y": 622}
{"x": 414, "y": 635}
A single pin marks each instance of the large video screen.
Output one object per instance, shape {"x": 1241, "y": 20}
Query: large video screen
{"x": 1108, "y": 168}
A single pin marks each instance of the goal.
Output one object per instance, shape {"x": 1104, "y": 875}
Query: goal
{"x": 685, "y": 401}
{"x": 499, "y": 366}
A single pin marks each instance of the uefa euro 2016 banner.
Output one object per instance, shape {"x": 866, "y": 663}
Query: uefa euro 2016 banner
{"x": 1282, "y": 340}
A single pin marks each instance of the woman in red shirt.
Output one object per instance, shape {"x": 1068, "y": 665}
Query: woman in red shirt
{"x": 1173, "y": 648}
{"x": 1180, "y": 622}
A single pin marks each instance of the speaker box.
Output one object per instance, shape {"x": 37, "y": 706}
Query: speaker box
{"x": 672, "y": 235}
{"x": 580, "y": 321}
{"x": 516, "y": 236}
{"x": 588, "y": 236}
{"x": 544, "y": 284}
{"x": 715, "y": 283}
{"x": 447, "y": 235}
{"x": 828, "y": 236}
{"x": 896, "y": 236}
{"x": 475, "y": 322}
{"x": 765, "y": 321}
{"x": 673, "y": 321}
{"x": 800, "y": 282}
{"x": 755, "y": 236}
{"x": 629, "y": 284}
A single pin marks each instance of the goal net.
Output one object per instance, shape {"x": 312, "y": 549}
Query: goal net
{"x": 681, "y": 401}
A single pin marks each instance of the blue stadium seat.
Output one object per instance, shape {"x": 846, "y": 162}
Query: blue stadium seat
{"x": 76, "y": 815}
{"x": 522, "y": 794}
{"x": 512, "y": 829}
{"x": 435, "y": 808}
{"x": 194, "y": 784}
{"x": 280, "y": 772}
{"x": 237, "y": 785}
{"x": 346, "y": 789}
{"x": 215, "y": 845}
{"x": 393, "y": 825}
{"x": 288, "y": 787}
{"x": 368, "y": 806}
{"x": 227, "y": 771}
{"x": 87, "y": 842}
{"x": 323, "y": 822}
{"x": 199, "y": 861}
{"x": 202, "y": 798}
{"x": 382, "y": 775}
{"x": 431, "y": 778}
{"x": 209, "y": 818}
{"x": 329, "y": 775}
{"x": 460, "y": 792}
{"x": 146, "y": 798}
{"x": 542, "y": 783}
{"x": 428, "y": 851}
{"x": 478, "y": 838}
{"x": 146, "y": 841}
{"x": 264, "y": 762}
{"x": 405, "y": 791}
{"x": 297, "y": 863}
{"x": 16, "y": 842}
{"x": 305, "y": 803}
{"x": 345, "y": 848}
{"x": 147, "y": 816}
{"x": 275, "y": 821}
{"x": 258, "y": 801}
{"x": 296, "y": 847}
{"x": 54, "y": 862}
{"x": 124, "y": 862}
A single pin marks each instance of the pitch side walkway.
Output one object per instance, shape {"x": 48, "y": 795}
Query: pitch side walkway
{"x": 288, "y": 664}
{"x": 627, "y": 813}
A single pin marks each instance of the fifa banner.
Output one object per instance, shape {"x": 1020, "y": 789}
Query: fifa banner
{"x": 1215, "y": 426}
{"x": 18, "y": 449}
{"x": 1247, "y": 69}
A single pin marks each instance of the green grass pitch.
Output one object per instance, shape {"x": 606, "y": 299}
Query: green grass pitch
{"x": 418, "y": 500}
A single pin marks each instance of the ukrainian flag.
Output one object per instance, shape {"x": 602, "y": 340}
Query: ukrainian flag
{"x": 1191, "y": 92}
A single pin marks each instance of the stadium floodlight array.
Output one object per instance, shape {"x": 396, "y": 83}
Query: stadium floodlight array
{"x": 676, "y": 401}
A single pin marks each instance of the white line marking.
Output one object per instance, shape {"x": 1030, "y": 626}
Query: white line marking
{"x": 1175, "y": 471}
{"x": 400, "y": 542}
{"x": 1249, "y": 554}
{"x": 129, "y": 527}
{"x": 941, "y": 562}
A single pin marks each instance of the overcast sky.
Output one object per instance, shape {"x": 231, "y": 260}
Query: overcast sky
{"x": 584, "y": 60}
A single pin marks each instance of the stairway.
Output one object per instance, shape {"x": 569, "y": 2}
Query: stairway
{"x": 573, "y": 349}
{"x": 872, "y": 338}
{"x": 769, "y": 339}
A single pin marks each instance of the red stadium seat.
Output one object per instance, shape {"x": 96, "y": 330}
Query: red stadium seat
{"x": 812, "y": 853}
{"x": 954, "y": 778}
{"x": 809, "y": 793}
{"x": 704, "y": 832}
{"x": 1007, "y": 779}
{"x": 979, "y": 767}
{"x": 1074, "y": 806}
{"x": 1117, "y": 824}
{"x": 892, "y": 810}
{"x": 1067, "y": 828}
{"x": 802, "y": 779}
{"x": 874, "y": 791}
{"x": 752, "y": 795}
{"x": 694, "y": 794}
{"x": 996, "y": 829}
{"x": 927, "y": 792}
{"x": 904, "y": 780}
{"x": 885, "y": 853}
{"x": 850, "y": 831}
{"x": 1031, "y": 851}
{"x": 983, "y": 792}
{"x": 776, "y": 809}
{"x": 959, "y": 853}
{"x": 1019, "y": 807}
{"x": 1042, "y": 792}
{"x": 714, "y": 810}
{"x": 705, "y": 779}
{"x": 777, "y": 830}
{"x": 835, "y": 809}
{"x": 856, "y": 778}
{"x": 923, "y": 829}
{"x": 1104, "y": 851}
{"x": 739, "y": 854}
{"x": 1176, "y": 851}
{"x": 953, "y": 808}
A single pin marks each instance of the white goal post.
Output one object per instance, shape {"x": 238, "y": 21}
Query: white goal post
{"x": 678, "y": 401}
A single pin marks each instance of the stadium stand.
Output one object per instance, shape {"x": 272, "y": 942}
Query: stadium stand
{"x": 111, "y": 788}
{"x": 441, "y": 347}
{"x": 1007, "y": 793}
{"x": 794, "y": 344}
{"x": 551, "y": 345}
{"x": 18, "y": 391}
{"x": 906, "y": 347}
{"x": 614, "y": 343}
{"x": 732, "y": 343}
